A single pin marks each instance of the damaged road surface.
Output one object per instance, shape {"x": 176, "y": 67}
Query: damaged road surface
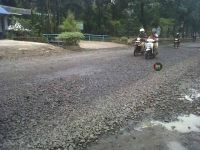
{"x": 104, "y": 99}
{"x": 172, "y": 123}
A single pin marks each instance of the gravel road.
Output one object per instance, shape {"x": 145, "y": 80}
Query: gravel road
{"x": 67, "y": 102}
{"x": 99, "y": 45}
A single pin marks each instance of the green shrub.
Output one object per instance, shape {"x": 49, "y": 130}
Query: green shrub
{"x": 118, "y": 28}
{"x": 123, "y": 38}
{"x": 26, "y": 23}
{"x": 71, "y": 38}
{"x": 40, "y": 39}
{"x": 7, "y": 35}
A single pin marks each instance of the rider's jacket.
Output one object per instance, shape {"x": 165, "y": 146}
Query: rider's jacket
{"x": 153, "y": 36}
{"x": 178, "y": 36}
{"x": 142, "y": 35}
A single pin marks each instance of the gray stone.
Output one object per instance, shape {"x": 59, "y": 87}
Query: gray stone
{"x": 82, "y": 141}
{"x": 71, "y": 148}
{"x": 173, "y": 127}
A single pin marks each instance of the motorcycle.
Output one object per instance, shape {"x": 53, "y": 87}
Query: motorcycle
{"x": 138, "y": 47}
{"x": 194, "y": 39}
{"x": 149, "y": 50}
{"x": 176, "y": 43}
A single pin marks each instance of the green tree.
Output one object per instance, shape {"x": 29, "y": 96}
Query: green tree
{"x": 115, "y": 17}
{"x": 69, "y": 23}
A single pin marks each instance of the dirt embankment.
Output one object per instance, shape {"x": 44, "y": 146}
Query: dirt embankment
{"x": 10, "y": 49}
{"x": 16, "y": 49}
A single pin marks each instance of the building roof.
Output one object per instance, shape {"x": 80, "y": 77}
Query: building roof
{"x": 15, "y": 10}
{"x": 3, "y": 11}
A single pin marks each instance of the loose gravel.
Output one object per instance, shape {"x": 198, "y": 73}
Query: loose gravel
{"x": 67, "y": 103}
{"x": 164, "y": 105}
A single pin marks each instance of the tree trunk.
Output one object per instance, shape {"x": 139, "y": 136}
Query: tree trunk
{"x": 168, "y": 30}
{"x": 99, "y": 22}
{"x": 183, "y": 30}
{"x": 142, "y": 16}
{"x": 161, "y": 31}
{"x": 194, "y": 29}
{"x": 174, "y": 31}
{"x": 48, "y": 19}
{"x": 58, "y": 15}
{"x": 186, "y": 31}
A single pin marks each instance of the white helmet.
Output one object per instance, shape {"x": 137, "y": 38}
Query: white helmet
{"x": 153, "y": 30}
{"x": 156, "y": 35}
{"x": 141, "y": 30}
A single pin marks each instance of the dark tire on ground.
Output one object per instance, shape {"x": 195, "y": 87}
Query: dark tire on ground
{"x": 147, "y": 54}
{"x": 135, "y": 51}
{"x": 176, "y": 45}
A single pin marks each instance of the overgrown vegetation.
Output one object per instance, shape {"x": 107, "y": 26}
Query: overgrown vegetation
{"x": 7, "y": 35}
{"x": 123, "y": 38}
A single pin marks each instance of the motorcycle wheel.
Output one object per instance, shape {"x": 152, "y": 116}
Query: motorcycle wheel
{"x": 147, "y": 54}
{"x": 176, "y": 46}
{"x": 135, "y": 51}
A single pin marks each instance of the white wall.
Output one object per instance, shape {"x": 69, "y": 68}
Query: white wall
{"x": 0, "y": 23}
{"x": 6, "y": 22}
{"x": 3, "y": 22}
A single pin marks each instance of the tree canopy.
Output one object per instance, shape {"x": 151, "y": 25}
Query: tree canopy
{"x": 114, "y": 17}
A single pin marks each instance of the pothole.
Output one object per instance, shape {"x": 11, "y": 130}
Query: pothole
{"x": 191, "y": 96}
{"x": 184, "y": 125}
{"x": 175, "y": 146}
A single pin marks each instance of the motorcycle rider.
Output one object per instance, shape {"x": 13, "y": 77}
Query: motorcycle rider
{"x": 143, "y": 37}
{"x": 154, "y": 36}
{"x": 178, "y": 37}
{"x": 194, "y": 37}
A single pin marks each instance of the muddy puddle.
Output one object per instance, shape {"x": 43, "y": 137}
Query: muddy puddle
{"x": 191, "y": 96}
{"x": 178, "y": 132}
{"x": 186, "y": 123}
{"x": 175, "y": 146}
{"x": 154, "y": 135}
